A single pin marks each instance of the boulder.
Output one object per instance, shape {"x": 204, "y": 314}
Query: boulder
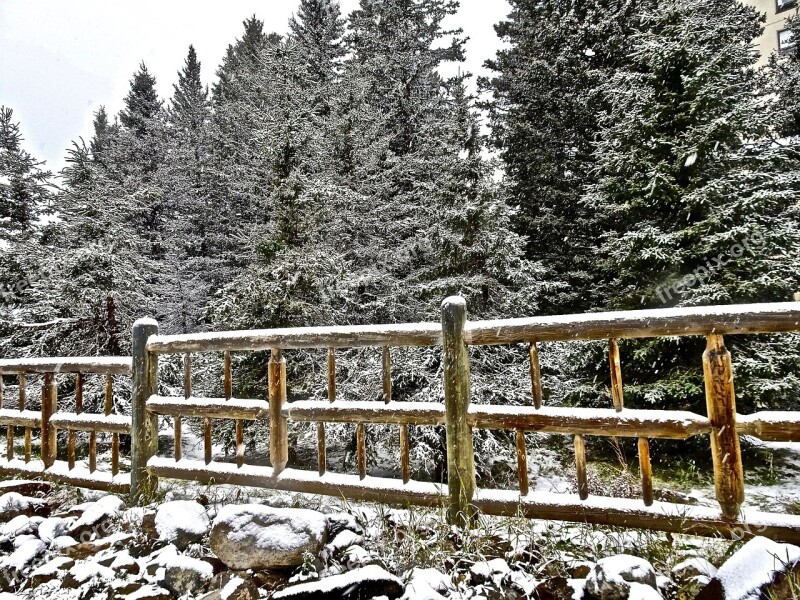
{"x": 13, "y": 504}
{"x": 753, "y": 571}
{"x": 19, "y": 525}
{"x": 181, "y": 522}
{"x": 253, "y": 536}
{"x": 52, "y": 569}
{"x": 88, "y": 572}
{"x": 611, "y": 577}
{"x": 97, "y": 519}
{"x": 231, "y": 587}
{"x": 343, "y": 540}
{"x": 23, "y": 556}
{"x": 186, "y": 575}
{"x": 368, "y": 582}
{"x": 427, "y": 584}
{"x": 149, "y": 592}
{"x": 53, "y": 527}
{"x": 26, "y": 488}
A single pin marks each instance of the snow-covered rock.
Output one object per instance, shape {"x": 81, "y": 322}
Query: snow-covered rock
{"x": 187, "y": 575}
{"x": 368, "y": 582}
{"x": 149, "y": 592}
{"x": 19, "y": 525}
{"x": 23, "y": 556}
{"x": 88, "y": 572}
{"x": 231, "y": 587}
{"x": 519, "y": 584}
{"x": 612, "y": 577}
{"x": 181, "y": 522}
{"x": 340, "y": 543}
{"x": 13, "y": 504}
{"x": 253, "y": 536}
{"x": 750, "y": 571}
{"x": 427, "y": 584}
{"x": 53, "y": 527}
{"x": 97, "y": 519}
{"x": 52, "y": 569}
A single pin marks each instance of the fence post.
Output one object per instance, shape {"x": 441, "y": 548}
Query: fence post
{"x": 278, "y": 430}
{"x": 49, "y": 400}
{"x": 460, "y": 453}
{"x": 144, "y": 426}
{"x": 721, "y": 404}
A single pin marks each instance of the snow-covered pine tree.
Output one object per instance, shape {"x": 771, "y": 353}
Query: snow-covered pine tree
{"x": 197, "y": 229}
{"x": 25, "y": 197}
{"x": 544, "y": 112}
{"x": 688, "y": 176}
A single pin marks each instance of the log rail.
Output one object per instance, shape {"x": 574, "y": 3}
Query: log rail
{"x": 454, "y": 335}
{"x": 48, "y": 420}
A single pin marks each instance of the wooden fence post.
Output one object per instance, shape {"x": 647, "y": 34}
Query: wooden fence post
{"x": 460, "y": 453}
{"x": 144, "y": 425}
{"x": 278, "y": 430}
{"x": 721, "y": 403}
{"x": 49, "y": 400}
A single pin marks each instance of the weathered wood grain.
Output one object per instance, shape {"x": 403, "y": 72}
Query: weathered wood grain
{"x": 732, "y": 319}
{"x": 771, "y": 426}
{"x": 522, "y": 463}
{"x": 536, "y": 375}
{"x": 144, "y": 425}
{"x": 119, "y": 365}
{"x": 278, "y": 430}
{"x": 120, "y": 424}
{"x": 646, "y": 471}
{"x": 460, "y": 453}
{"x": 616, "y": 374}
{"x": 580, "y": 467}
{"x": 213, "y": 408}
{"x": 358, "y": 336}
{"x": 721, "y": 403}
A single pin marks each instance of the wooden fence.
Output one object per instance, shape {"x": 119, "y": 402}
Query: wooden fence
{"x": 48, "y": 420}
{"x": 461, "y": 497}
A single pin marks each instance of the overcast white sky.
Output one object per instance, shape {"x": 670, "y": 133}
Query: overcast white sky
{"x": 61, "y": 59}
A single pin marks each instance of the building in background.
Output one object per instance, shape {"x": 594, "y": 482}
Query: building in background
{"x": 776, "y": 37}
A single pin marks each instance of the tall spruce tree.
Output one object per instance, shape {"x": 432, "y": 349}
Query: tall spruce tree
{"x": 545, "y": 116}
{"x": 697, "y": 204}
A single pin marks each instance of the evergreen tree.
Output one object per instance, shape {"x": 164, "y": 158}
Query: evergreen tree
{"x": 545, "y": 118}
{"x": 682, "y": 184}
{"x": 786, "y": 70}
{"x": 141, "y": 104}
{"x": 318, "y": 30}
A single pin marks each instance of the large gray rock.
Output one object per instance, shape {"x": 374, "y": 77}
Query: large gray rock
{"x": 253, "y": 536}
{"x": 753, "y": 571}
{"x": 186, "y": 575}
{"x": 611, "y": 577}
{"x": 98, "y": 519}
{"x": 13, "y": 504}
{"x": 181, "y": 522}
{"x": 368, "y": 582}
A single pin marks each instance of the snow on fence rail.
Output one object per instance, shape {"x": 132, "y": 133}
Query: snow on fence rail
{"x": 48, "y": 421}
{"x": 460, "y": 495}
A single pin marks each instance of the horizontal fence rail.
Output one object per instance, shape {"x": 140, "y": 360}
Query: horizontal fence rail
{"x": 454, "y": 335}
{"x": 48, "y": 421}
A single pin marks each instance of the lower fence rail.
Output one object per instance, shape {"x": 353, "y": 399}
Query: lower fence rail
{"x": 596, "y": 510}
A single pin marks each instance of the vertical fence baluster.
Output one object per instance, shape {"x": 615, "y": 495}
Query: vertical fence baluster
{"x": 78, "y": 410}
{"x": 9, "y": 428}
{"x": 48, "y": 437}
{"x": 646, "y": 471}
{"x": 278, "y": 430}
{"x": 616, "y": 374}
{"x": 22, "y": 402}
{"x": 536, "y": 375}
{"x": 207, "y": 439}
{"x": 144, "y": 424}
{"x": 361, "y": 450}
{"x": 405, "y": 459}
{"x": 109, "y": 408}
{"x": 580, "y": 467}
{"x": 387, "y": 375}
{"x": 92, "y": 451}
{"x": 178, "y": 437}
{"x": 460, "y": 453}
{"x": 228, "y": 385}
{"x": 522, "y": 463}
{"x": 721, "y": 404}
{"x": 322, "y": 453}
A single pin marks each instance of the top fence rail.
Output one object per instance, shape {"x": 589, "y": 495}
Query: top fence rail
{"x": 779, "y": 317}
{"x": 110, "y": 365}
